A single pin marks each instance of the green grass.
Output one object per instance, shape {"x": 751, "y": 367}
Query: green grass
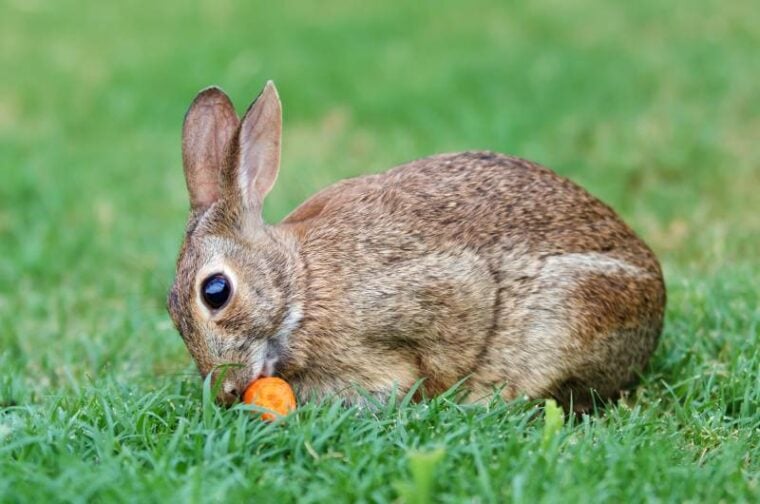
{"x": 653, "y": 106}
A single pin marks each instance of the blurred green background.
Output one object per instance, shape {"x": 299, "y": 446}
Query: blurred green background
{"x": 653, "y": 106}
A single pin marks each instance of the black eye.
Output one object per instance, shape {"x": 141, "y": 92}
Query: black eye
{"x": 215, "y": 291}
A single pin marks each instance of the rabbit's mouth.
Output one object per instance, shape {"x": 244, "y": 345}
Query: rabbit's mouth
{"x": 234, "y": 387}
{"x": 263, "y": 363}
{"x": 268, "y": 358}
{"x": 275, "y": 355}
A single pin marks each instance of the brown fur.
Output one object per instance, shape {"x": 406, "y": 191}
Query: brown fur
{"x": 470, "y": 265}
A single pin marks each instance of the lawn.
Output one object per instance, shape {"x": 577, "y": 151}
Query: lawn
{"x": 653, "y": 106}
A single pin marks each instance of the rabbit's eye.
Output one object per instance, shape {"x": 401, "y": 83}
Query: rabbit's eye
{"x": 215, "y": 291}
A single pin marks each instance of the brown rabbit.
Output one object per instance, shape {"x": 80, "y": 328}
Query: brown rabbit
{"x": 473, "y": 265}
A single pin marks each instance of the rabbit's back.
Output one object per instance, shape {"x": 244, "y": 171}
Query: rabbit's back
{"x": 486, "y": 201}
{"x": 484, "y": 265}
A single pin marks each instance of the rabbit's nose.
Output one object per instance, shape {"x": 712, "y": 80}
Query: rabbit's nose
{"x": 229, "y": 394}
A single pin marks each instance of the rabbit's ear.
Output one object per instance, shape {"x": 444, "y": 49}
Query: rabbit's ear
{"x": 209, "y": 125}
{"x": 258, "y": 149}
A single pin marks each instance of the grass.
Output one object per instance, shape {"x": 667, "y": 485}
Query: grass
{"x": 652, "y": 106}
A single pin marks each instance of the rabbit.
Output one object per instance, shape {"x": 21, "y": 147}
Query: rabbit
{"x": 475, "y": 267}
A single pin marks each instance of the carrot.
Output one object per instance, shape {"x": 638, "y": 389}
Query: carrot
{"x": 272, "y": 393}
